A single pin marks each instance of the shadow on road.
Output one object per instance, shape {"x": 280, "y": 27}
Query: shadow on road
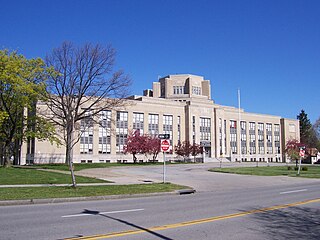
{"x": 290, "y": 223}
{"x": 86, "y": 211}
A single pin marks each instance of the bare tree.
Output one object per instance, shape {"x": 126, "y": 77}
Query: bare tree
{"x": 83, "y": 86}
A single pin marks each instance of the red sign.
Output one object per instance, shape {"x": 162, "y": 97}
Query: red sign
{"x": 301, "y": 153}
{"x": 165, "y": 145}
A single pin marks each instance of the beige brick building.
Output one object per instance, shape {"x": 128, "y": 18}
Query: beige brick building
{"x": 180, "y": 105}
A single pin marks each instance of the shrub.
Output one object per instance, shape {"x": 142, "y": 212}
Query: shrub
{"x": 304, "y": 168}
{"x": 289, "y": 168}
{"x": 296, "y": 168}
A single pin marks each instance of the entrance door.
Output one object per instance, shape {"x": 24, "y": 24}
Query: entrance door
{"x": 208, "y": 151}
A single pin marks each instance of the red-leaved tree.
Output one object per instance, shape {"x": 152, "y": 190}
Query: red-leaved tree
{"x": 153, "y": 147}
{"x": 142, "y": 144}
{"x": 136, "y": 144}
{"x": 185, "y": 149}
{"x": 196, "y": 149}
{"x": 292, "y": 149}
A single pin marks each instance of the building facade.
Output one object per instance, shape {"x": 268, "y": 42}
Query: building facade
{"x": 179, "y": 105}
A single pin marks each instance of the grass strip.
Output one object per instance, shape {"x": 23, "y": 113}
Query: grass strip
{"x": 65, "y": 192}
{"x": 81, "y": 166}
{"x": 12, "y": 176}
{"x": 312, "y": 172}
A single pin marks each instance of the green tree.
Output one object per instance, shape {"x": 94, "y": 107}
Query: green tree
{"x": 21, "y": 82}
{"x": 307, "y": 132}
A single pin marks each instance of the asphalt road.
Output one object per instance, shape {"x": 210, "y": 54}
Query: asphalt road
{"x": 236, "y": 212}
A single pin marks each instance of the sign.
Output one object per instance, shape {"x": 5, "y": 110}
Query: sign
{"x": 164, "y": 136}
{"x": 165, "y": 145}
{"x": 205, "y": 143}
{"x": 301, "y": 153}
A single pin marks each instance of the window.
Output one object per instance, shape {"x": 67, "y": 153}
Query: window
{"x": 292, "y": 128}
{"x": 86, "y": 134}
{"x": 138, "y": 122}
{"x": 178, "y": 89}
{"x": 243, "y": 137}
{"x": 167, "y": 126}
{"x": 121, "y": 130}
{"x": 205, "y": 129}
{"x": 153, "y": 121}
{"x": 193, "y": 129}
{"x": 269, "y": 138}
{"x": 277, "y": 138}
{"x": 196, "y": 90}
{"x": 105, "y": 132}
{"x": 252, "y": 137}
{"x": 260, "y": 138}
{"x": 233, "y": 136}
{"x": 179, "y": 129}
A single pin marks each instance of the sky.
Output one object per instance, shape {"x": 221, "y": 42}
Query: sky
{"x": 269, "y": 49}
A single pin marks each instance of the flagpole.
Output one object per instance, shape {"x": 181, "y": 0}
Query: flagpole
{"x": 239, "y": 113}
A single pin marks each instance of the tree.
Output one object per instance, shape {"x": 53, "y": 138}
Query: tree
{"x": 85, "y": 85}
{"x": 316, "y": 128}
{"x": 21, "y": 82}
{"x": 196, "y": 150}
{"x": 142, "y": 144}
{"x": 153, "y": 147}
{"x": 292, "y": 149}
{"x": 136, "y": 144}
{"x": 307, "y": 132}
{"x": 186, "y": 149}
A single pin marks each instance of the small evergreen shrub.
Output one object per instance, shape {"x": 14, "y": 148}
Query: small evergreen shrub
{"x": 304, "y": 168}
{"x": 296, "y": 168}
{"x": 289, "y": 168}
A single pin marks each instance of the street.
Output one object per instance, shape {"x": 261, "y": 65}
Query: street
{"x": 236, "y": 212}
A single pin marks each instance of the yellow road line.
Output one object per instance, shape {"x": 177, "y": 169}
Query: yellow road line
{"x": 194, "y": 222}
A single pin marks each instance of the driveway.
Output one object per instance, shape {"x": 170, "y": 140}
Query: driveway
{"x": 196, "y": 176}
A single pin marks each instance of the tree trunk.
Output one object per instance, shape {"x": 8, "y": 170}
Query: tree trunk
{"x": 1, "y": 154}
{"x": 7, "y": 162}
{"x": 134, "y": 157}
{"x": 299, "y": 166}
{"x": 69, "y": 153}
{"x": 154, "y": 157}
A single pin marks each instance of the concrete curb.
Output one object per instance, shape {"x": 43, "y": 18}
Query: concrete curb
{"x": 78, "y": 199}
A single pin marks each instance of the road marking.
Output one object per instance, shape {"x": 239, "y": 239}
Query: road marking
{"x": 194, "y": 222}
{"x": 294, "y": 191}
{"x": 100, "y": 213}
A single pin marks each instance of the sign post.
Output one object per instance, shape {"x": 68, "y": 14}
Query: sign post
{"x": 301, "y": 154}
{"x": 165, "y": 146}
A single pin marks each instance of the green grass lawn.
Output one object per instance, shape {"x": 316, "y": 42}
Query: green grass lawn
{"x": 11, "y": 176}
{"x": 312, "y": 172}
{"x": 81, "y": 166}
{"x": 65, "y": 192}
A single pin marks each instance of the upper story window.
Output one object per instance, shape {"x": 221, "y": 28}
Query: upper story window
{"x": 292, "y": 128}
{"x": 178, "y": 89}
{"x": 196, "y": 90}
{"x": 138, "y": 122}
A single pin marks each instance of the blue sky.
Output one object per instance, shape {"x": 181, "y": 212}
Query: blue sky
{"x": 270, "y": 49}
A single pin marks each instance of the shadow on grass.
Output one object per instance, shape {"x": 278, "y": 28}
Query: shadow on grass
{"x": 289, "y": 223}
